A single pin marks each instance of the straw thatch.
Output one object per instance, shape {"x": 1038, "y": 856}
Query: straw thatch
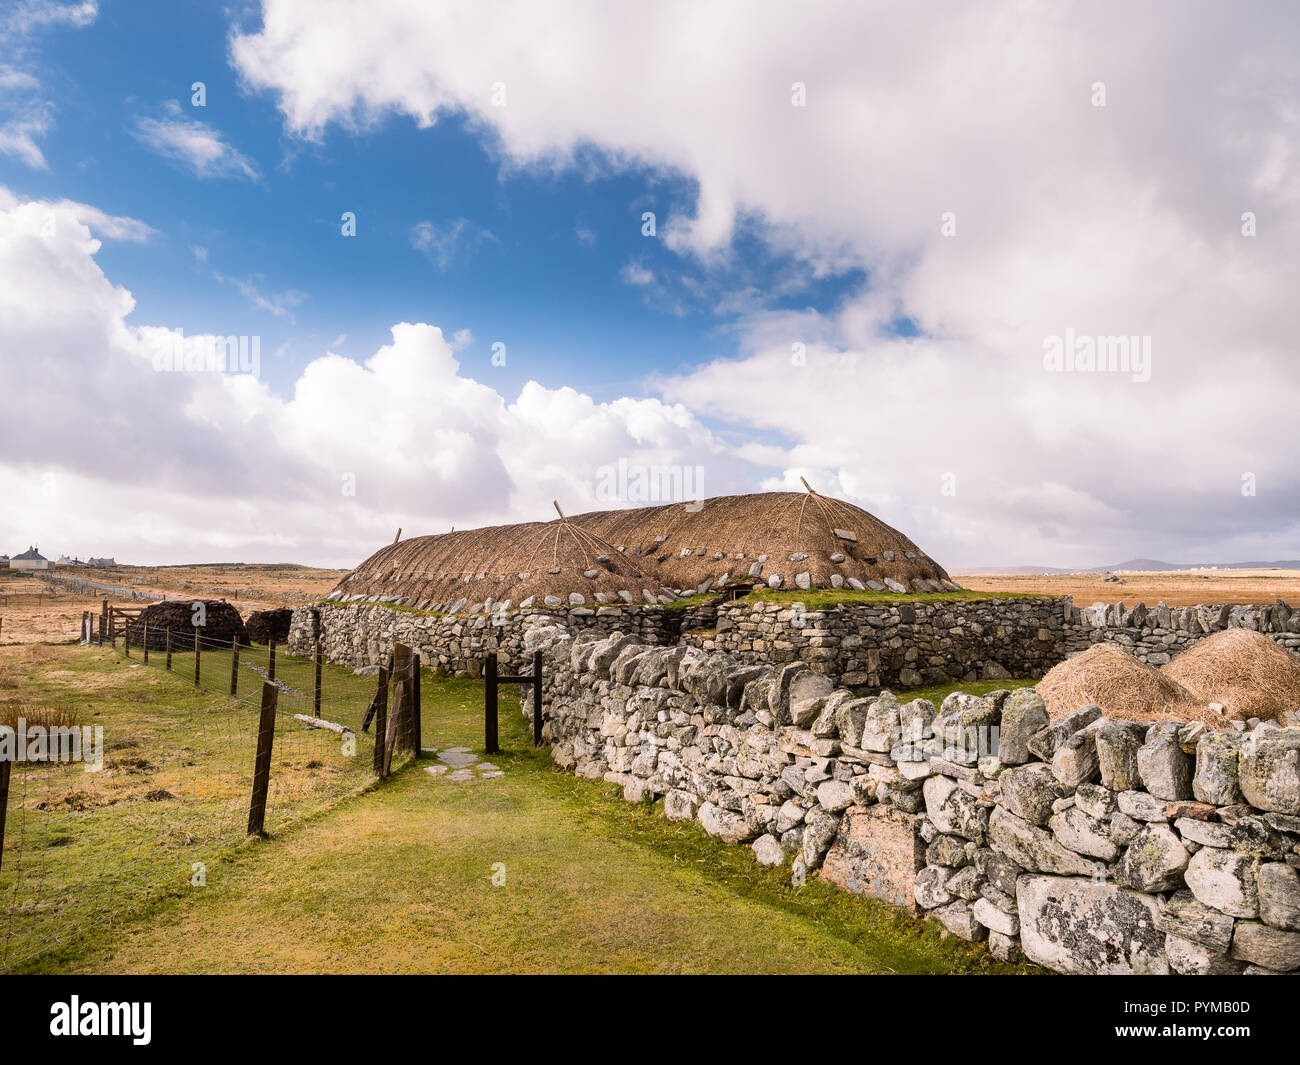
{"x": 791, "y": 532}
{"x": 650, "y": 554}
{"x": 1245, "y": 671}
{"x": 223, "y": 623}
{"x": 1126, "y": 689}
{"x": 493, "y": 566}
{"x": 267, "y": 625}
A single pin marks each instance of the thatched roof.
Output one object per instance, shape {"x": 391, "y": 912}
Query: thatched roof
{"x": 768, "y": 535}
{"x": 648, "y": 554}
{"x": 503, "y": 564}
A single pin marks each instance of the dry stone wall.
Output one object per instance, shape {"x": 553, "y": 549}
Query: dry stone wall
{"x": 873, "y": 645}
{"x": 908, "y": 645}
{"x": 361, "y": 635}
{"x": 1086, "y": 845}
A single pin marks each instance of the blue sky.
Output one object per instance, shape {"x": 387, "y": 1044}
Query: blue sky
{"x": 541, "y": 262}
{"x": 872, "y": 221}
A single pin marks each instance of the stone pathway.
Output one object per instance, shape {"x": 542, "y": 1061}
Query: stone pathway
{"x": 460, "y": 763}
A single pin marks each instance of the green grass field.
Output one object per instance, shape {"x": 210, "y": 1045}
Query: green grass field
{"x": 533, "y": 871}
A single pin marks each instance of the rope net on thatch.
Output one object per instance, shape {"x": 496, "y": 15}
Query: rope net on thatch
{"x": 513, "y": 563}
{"x": 1242, "y": 670}
{"x": 223, "y": 623}
{"x": 651, "y": 554}
{"x": 795, "y": 532}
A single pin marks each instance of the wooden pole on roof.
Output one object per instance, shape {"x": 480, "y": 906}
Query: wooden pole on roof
{"x": 556, "y": 504}
{"x": 399, "y": 534}
{"x": 806, "y": 484}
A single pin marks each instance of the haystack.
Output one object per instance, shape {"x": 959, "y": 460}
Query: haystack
{"x": 1245, "y": 671}
{"x": 267, "y": 625}
{"x": 1125, "y": 688}
{"x": 223, "y": 624}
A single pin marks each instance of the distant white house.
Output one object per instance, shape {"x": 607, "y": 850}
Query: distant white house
{"x": 29, "y": 559}
{"x": 102, "y": 562}
{"x": 64, "y": 560}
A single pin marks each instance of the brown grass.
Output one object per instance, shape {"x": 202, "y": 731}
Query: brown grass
{"x": 1251, "y": 675}
{"x": 1125, "y": 688}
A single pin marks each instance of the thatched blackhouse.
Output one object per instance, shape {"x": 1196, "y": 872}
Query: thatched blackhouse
{"x": 787, "y": 540}
{"x": 223, "y": 624}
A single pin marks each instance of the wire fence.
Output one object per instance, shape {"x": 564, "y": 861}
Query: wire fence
{"x": 151, "y": 797}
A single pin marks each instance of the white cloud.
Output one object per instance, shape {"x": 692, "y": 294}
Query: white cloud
{"x": 1123, "y": 219}
{"x": 193, "y": 145}
{"x": 444, "y": 244}
{"x": 637, "y": 274}
{"x": 203, "y": 465}
{"x": 19, "y": 136}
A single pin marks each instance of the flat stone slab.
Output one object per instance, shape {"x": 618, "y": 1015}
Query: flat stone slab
{"x": 877, "y": 852}
{"x": 1077, "y": 926}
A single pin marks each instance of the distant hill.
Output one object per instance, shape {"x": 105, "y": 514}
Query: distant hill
{"x": 1135, "y": 565}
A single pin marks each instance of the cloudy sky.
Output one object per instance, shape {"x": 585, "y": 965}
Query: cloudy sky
{"x": 486, "y": 251}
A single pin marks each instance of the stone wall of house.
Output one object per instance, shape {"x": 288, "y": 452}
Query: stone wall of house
{"x": 361, "y": 635}
{"x": 907, "y": 645}
{"x": 872, "y": 645}
{"x": 1086, "y": 845}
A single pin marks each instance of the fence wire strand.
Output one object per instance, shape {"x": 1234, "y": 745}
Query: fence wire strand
{"x": 174, "y": 790}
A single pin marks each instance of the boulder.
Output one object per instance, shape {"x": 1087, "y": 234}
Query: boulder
{"x": 1077, "y": 831}
{"x": 1034, "y": 848}
{"x": 1279, "y": 896}
{"x": 768, "y": 850}
{"x": 1165, "y": 769}
{"x": 1023, "y": 714}
{"x": 1044, "y": 743}
{"x": 1078, "y": 926}
{"x": 1182, "y": 915}
{"x": 1225, "y": 881}
{"x": 1117, "y": 748}
{"x": 1217, "y": 757}
{"x": 807, "y": 694}
{"x": 727, "y": 825}
{"x": 1270, "y": 770}
{"x": 1269, "y": 947}
{"x": 1195, "y": 959}
{"x": 953, "y": 810}
{"x": 834, "y": 795}
{"x": 1029, "y": 792}
{"x": 959, "y": 918}
{"x": 1155, "y": 860}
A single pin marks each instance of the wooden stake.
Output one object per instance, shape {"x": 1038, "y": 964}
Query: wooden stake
{"x": 5, "y": 767}
{"x": 315, "y": 699}
{"x": 169, "y": 648}
{"x": 145, "y": 635}
{"x": 270, "y": 660}
{"x": 234, "y": 664}
{"x": 490, "y": 704}
{"x": 262, "y": 767}
{"x": 415, "y": 702}
{"x": 381, "y": 720}
{"x": 537, "y": 698}
{"x": 198, "y": 651}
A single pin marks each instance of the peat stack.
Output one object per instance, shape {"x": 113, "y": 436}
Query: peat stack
{"x": 267, "y": 625}
{"x": 223, "y": 624}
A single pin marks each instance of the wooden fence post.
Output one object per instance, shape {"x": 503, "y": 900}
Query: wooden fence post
{"x": 5, "y": 766}
{"x": 234, "y": 664}
{"x": 270, "y": 660}
{"x": 402, "y": 720}
{"x": 262, "y": 767}
{"x": 315, "y": 696}
{"x": 126, "y": 638}
{"x": 415, "y": 703}
{"x": 145, "y": 641}
{"x": 198, "y": 652}
{"x": 490, "y": 705}
{"x": 381, "y": 720}
{"x": 168, "y": 641}
{"x": 537, "y": 698}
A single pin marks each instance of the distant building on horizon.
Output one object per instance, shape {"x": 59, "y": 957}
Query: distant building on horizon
{"x": 31, "y": 559}
{"x": 102, "y": 562}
